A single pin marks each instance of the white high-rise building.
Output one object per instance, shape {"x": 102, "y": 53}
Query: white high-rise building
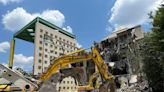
{"x": 50, "y": 42}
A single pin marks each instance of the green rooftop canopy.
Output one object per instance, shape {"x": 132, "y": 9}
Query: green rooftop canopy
{"x": 27, "y": 33}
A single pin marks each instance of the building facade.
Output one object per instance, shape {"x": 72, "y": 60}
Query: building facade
{"x": 50, "y": 43}
{"x": 68, "y": 84}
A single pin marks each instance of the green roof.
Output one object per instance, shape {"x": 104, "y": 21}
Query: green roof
{"x": 27, "y": 35}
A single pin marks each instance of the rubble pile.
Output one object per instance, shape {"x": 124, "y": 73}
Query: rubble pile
{"x": 136, "y": 87}
{"x": 140, "y": 85}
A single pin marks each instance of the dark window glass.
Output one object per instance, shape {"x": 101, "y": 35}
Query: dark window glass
{"x": 41, "y": 36}
{"x": 39, "y": 67}
{"x": 40, "y": 48}
{"x": 41, "y": 30}
{"x": 40, "y": 61}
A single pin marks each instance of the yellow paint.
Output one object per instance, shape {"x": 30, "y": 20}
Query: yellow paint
{"x": 11, "y": 53}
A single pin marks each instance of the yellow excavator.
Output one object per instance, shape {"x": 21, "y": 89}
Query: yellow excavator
{"x": 62, "y": 62}
{"x": 81, "y": 56}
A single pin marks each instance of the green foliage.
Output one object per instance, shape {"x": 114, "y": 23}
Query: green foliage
{"x": 153, "y": 52}
{"x": 158, "y": 30}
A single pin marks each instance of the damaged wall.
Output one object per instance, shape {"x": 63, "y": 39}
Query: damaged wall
{"x": 123, "y": 46}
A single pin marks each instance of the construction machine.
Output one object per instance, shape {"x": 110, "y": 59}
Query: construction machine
{"x": 60, "y": 63}
{"x": 81, "y": 56}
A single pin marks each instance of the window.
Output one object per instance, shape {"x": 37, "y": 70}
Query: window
{"x": 46, "y": 44}
{"x": 51, "y": 45}
{"x": 59, "y": 38}
{"x": 46, "y": 56}
{"x": 51, "y": 57}
{"x": 51, "y": 62}
{"x": 45, "y": 68}
{"x": 41, "y": 30}
{"x": 61, "y": 54}
{"x": 46, "y": 32}
{"x": 40, "y": 42}
{"x": 59, "y": 88}
{"x": 40, "y": 54}
{"x": 46, "y": 50}
{"x": 67, "y": 82}
{"x": 39, "y": 67}
{"x": 56, "y": 47}
{"x": 51, "y": 34}
{"x": 55, "y": 52}
{"x": 64, "y": 40}
{"x": 40, "y": 60}
{"x": 51, "y": 51}
{"x": 63, "y": 87}
{"x": 56, "y": 36}
{"x": 45, "y": 62}
{"x": 40, "y": 48}
{"x": 63, "y": 81}
{"x": 67, "y": 87}
{"x": 41, "y": 36}
{"x": 71, "y": 82}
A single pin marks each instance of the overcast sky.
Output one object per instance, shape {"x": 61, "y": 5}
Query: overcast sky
{"x": 89, "y": 20}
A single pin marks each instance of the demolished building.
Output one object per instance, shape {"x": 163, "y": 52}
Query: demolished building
{"x": 123, "y": 47}
{"x": 120, "y": 50}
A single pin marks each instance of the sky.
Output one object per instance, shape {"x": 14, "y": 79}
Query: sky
{"x": 89, "y": 20}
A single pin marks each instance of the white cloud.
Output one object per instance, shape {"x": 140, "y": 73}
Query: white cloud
{"x": 4, "y": 46}
{"x": 69, "y": 29}
{"x": 54, "y": 16}
{"x": 78, "y": 45}
{"x": 128, "y": 13}
{"x": 5, "y": 2}
{"x": 20, "y": 58}
{"x": 25, "y": 62}
{"x": 19, "y": 17}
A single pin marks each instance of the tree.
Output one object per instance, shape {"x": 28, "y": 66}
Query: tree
{"x": 153, "y": 52}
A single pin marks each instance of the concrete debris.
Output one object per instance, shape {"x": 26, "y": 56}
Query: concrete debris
{"x": 133, "y": 79}
{"x": 135, "y": 86}
{"x": 50, "y": 84}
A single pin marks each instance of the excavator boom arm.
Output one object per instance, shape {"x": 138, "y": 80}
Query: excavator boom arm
{"x": 77, "y": 57}
{"x": 62, "y": 62}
